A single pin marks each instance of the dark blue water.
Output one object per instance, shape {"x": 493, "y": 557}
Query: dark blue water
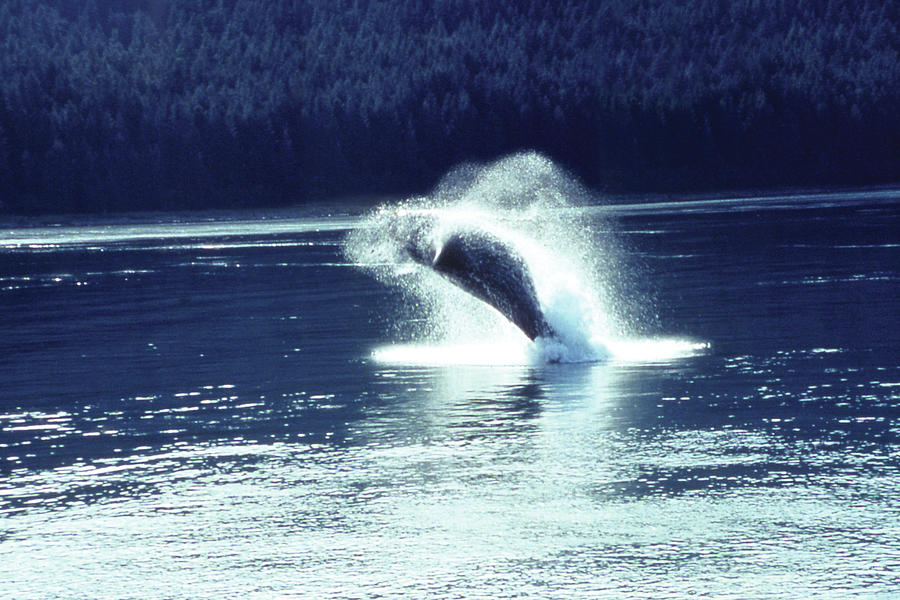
{"x": 193, "y": 410}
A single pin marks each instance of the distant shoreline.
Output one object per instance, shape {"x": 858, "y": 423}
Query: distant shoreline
{"x": 111, "y": 107}
{"x": 350, "y": 207}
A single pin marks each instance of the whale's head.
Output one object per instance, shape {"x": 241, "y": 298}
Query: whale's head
{"x": 417, "y": 235}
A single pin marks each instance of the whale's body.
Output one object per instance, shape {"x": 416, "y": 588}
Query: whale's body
{"x": 487, "y": 267}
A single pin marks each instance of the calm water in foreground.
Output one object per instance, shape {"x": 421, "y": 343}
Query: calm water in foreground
{"x": 193, "y": 411}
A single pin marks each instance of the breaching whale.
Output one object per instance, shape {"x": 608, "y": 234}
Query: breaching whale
{"x": 484, "y": 265}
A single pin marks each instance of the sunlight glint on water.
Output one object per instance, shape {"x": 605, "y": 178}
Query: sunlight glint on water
{"x": 205, "y": 418}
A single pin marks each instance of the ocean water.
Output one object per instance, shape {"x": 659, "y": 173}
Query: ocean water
{"x": 243, "y": 407}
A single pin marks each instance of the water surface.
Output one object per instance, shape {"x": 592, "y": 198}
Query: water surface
{"x": 193, "y": 410}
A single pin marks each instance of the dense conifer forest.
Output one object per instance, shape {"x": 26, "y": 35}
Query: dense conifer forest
{"x": 147, "y": 104}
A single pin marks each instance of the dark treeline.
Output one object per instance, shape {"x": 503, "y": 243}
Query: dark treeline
{"x": 146, "y": 104}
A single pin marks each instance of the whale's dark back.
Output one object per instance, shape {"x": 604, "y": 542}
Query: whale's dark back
{"x": 493, "y": 271}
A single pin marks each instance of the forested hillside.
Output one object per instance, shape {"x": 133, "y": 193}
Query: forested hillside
{"x": 145, "y": 104}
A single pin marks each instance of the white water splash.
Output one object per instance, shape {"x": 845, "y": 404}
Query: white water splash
{"x": 575, "y": 261}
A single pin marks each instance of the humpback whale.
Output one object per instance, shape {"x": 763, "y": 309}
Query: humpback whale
{"x": 484, "y": 265}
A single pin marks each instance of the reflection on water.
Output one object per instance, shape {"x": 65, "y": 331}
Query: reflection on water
{"x": 178, "y": 428}
{"x": 582, "y": 478}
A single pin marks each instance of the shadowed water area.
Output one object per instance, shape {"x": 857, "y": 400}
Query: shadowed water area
{"x": 234, "y": 408}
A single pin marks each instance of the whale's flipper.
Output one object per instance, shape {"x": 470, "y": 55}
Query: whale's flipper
{"x": 494, "y": 272}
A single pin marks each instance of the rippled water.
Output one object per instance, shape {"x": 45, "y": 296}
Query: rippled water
{"x": 193, "y": 410}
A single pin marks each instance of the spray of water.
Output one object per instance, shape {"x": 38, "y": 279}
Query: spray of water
{"x": 530, "y": 204}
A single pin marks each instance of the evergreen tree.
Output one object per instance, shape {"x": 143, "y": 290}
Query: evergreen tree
{"x": 132, "y": 104}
